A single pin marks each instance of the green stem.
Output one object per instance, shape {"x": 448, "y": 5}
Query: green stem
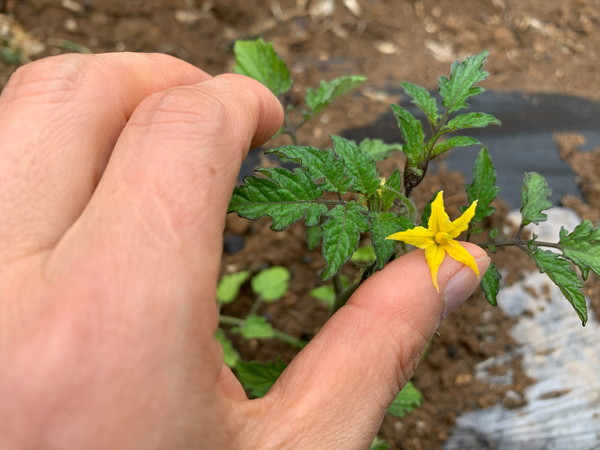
{"x": 405, "y": 201}
{"x": 256, "y": 305}
{"x": 343, "y": 296}
{"x": 288, "y": 339}
{"x": 521, "y": 243}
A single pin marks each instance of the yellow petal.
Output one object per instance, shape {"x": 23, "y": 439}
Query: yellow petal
{"x": 434, "y": 254}
{"x": 458, "y": 252}
{"x": 438, "y": 220}
{"x": 462, "y": 223}
{"x": 419, "y": 237}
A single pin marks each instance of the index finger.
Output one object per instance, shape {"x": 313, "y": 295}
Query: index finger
{"x": 59, "y": 120}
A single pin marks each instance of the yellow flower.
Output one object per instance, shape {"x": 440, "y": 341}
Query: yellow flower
{"x": 438, "y": 238}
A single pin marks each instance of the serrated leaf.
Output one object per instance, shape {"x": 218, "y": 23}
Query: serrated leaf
{"x": 314, "y": 235}
{"x": 406, "y": 401}
{"x": 460, "y": 86}
{"x": 341, "y": 234}
{"x": 377, "y": 149}
{"x": 270, "y": 284}
{"x": 255, "y": 327}
{"x": 582, "y": 246}
{"x": 256, "y": 377}
{"x": 364, "y": 255}
{"x": 258, "y": 59}
{"x": 535, "y": 198}
{"x": 422, "y": 99}
{"x": 359, "y": 165}
{"x": 229, "y": 286}
{"x": 322, "y": 165}
{"x": 560, "y": 272}
{"x": 490, "y": 284}
{"x": 328, "y": 91}
{"x": 412, "y": 132}
{"x": 392, "y": 189}
{"x": 230, "y": 355}
{"x": 453, "y": 142}
{"x": 471, "y": 120}
{"x": 285, "y": 197}
{"x": 382, "y": 225}
{"x": 483, "y": 188}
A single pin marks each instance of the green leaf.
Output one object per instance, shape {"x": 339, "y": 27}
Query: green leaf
{"x": 326, "y": 293}
{"x": 255, "y": 327}
{"x": 359, "y": 165}
{"x": 483, "y": 188}
{"x": 535, "y": 197}
{"x": 453, "y": 142}
{"x": 490, "y": 284}
{"x": 423, "y": 100}
{"x": 379, "y": 444}
{"x": 412, "y": 132}
{"x": 377, "y": 149}
{"x": 392, "y": 189}
{"x": 406, "y": 401}
{"x": 322, "y": 165}
{"x": 471, "y": 120}
{"x": 270, "y": 284}
{"x": 382, "y": 225}
{"x": 229, "y": 286}
{"x": 460, "y": 86}
{"x": 230, "y": 356}
{"x": 258, "y": 59}
{"x": 285, "y": 197}
{"x": 257, "y": 378}
{"x": 341, "y": 235}
{"x": 328, "y": 91}
{"x": 560, "y": 272}
{"x": 314, "y": 235}
{"x": 364, "y": 255}
{"x": 582, "y": 246}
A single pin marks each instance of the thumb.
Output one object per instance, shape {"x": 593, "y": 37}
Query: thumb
{"x": 341, "y": 384}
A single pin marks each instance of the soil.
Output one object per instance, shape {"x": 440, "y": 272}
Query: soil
{"x": 536, "y": 46}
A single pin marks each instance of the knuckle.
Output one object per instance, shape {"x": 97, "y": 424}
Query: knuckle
{"x": 50, "y": 80}
{"x": 184, "y": 111}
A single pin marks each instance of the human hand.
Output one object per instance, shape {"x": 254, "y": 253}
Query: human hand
{"x": 115, "y": 175}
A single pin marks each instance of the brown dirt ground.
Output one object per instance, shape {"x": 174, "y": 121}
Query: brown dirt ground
{"x": 536, "y": 46}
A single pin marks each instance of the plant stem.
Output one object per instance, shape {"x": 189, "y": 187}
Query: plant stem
{"x": 518, "y": 242}
{"x": 287, "y": 338}
{"x": 343, "y": 296}
{"x": 405, "y": 201}
{"x": 338, "y": 287}
{"x": 256, "y": 305}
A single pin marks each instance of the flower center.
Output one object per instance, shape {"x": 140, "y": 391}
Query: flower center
{"x": 442, "y": 238}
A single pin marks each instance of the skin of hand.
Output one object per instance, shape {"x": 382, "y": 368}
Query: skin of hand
{"x": 115, "y": 175}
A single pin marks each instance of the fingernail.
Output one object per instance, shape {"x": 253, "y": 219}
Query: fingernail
{"x": 462, "y": 284}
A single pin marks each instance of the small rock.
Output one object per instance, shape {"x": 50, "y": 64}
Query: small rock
{"x": 463, "y": 379}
